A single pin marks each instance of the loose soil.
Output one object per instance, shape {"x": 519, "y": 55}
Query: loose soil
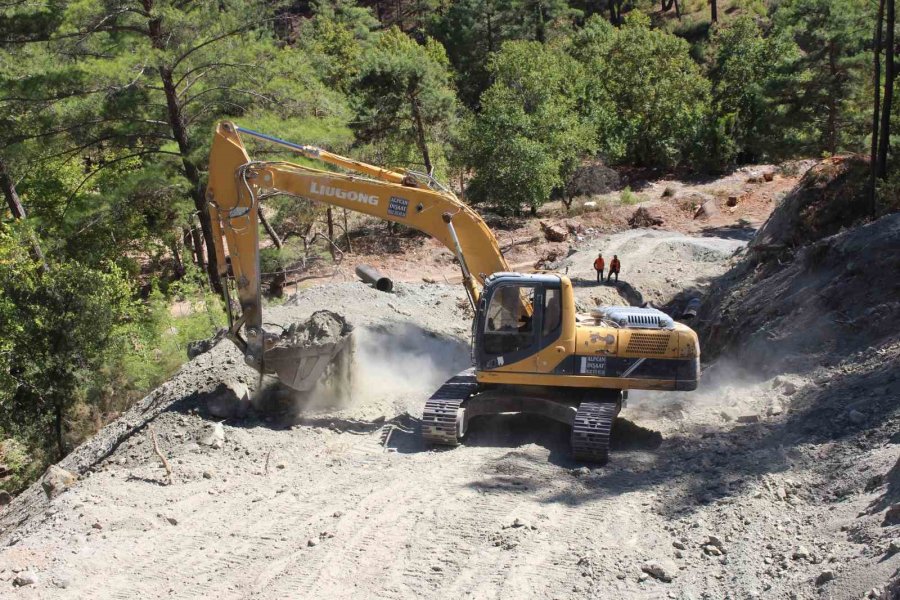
{"x": 760, "y": 484}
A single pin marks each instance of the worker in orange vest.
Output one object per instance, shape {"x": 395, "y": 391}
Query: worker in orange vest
{"x": 599, "y": 265}
{"x": 614, "y": 267}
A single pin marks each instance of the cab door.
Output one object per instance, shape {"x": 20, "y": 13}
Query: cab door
{"x": 514, "y": 322}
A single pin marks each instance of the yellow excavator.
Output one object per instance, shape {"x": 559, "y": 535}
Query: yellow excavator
{"x": 532, "y": 353}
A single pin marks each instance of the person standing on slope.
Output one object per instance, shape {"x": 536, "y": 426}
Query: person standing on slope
{"x": 599, "y": 265}
{"x": 614, "y": 267}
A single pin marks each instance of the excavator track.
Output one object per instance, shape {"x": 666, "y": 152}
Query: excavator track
{"x": 441, "y": 419}
{"x": 591, "y": 430}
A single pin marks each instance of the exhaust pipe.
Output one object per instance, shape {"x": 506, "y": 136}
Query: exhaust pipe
{"x": 370, "y": 274}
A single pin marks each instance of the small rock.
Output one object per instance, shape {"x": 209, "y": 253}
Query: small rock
{"x": 97, "y": 526}
{"x": 789, "y": 389}
{"x": 280, "y": 466}
{"x": 172, "y": 520}
{"x": 775, "y": 409}
{"x": 893, "y": 547}
{"x": 824, "y": 577}
{"x": 781, "y": 493}
{"x": 56, "y": 480}
{"x": 216, "y": 437}
{"x": 437, "y": 568}
{"x": 679, "y": 544}
{"x": 25, "y": 578}
{"x": 518, "y": 522}
{"x": 892, "y": 516}
{"x": 768, "y": 175}
{"x": 312, "y": 542}
{"x": 337, "y": 514}
{"x": 207, "y": 475}
{"x": 662, "y": 571}
{"x": 856, "y": 417}
{"x": 712, "y": 550}
{"x": 732, "y": 201}
{"x": 801, "y": 553}
{"x": 707, "y": 210}
{"x": 581, "y": 471}
{"x": 5, "y": 498}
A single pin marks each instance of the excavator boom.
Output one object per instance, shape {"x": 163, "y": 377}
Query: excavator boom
{"x": 237, "y": 184}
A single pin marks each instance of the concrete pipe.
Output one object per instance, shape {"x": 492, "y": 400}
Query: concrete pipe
{"x": 690, "y": 310}
{"x": 370, "y": 274}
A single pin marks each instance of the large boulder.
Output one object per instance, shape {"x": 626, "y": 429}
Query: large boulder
{"x": 230, "y": 400}
{"x": 57, "y": 480}
{"x": 644, "y": 217}
{"x": 554, "y": 233}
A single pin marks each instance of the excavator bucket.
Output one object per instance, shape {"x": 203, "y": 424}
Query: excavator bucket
{"x": 303, "y": 367}
{"x": 312, "y": 352}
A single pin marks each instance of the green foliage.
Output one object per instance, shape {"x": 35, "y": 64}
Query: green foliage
{"x": 404, "y": 96}
{"x": 819, "y": 88}
{"x": 152, "y": 346}
{"x": 741, "y": 74}
{"x": 60, "y": 324}
{"x": 645, "y": 97}
{"x": 335, "y": 39}
{"x": 529, "y": 137}
{"x": 627, "y": 197}
{"x": 473, "y": 30}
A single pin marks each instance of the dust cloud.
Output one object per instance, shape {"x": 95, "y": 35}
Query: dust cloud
{"x": 385, "y": 370}
{"x": 403, "y": 364}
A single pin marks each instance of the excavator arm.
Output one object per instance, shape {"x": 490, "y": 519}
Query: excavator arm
{"x": 237, "y": 185}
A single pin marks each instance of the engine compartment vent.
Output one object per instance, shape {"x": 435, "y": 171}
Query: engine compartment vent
{"x": 648, "y": 343}
{"x": 633, "y": 317}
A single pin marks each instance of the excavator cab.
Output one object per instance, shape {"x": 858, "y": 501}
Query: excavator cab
{"x": 518, "y": 316}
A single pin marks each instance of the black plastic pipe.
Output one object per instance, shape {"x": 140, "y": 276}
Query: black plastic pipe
{"x": 370, "y": 274}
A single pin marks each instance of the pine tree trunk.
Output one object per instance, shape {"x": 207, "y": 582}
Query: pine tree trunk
{"x": 179, "y": 133}
{"x": 420, "y": 133}
{"x": 58, "y": 429}
{"x": 18, "y": 211}
{"x": 10, "y": 193}
{"x": 876, "y": 102}
{"x": 832, "y": 132}
{"x": 269, "y": 229}
{"x": 714, "y": 11}
{"x": 197, "y": 243}
{"x": 175, "y": 248}
{"x": 330, "y": 219}
{"x": 884, "y": 137}
{"x": 188, "y": 239}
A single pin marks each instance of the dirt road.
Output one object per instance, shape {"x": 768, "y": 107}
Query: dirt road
{"x": 714, "y": 494}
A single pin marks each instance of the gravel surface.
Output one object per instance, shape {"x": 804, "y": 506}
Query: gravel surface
{"x": 751, "y": 487}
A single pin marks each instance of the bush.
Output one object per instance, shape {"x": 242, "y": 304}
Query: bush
{"x": 644, "y": 95}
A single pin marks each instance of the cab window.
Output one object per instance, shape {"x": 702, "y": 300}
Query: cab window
{"x": 509, "y": 326}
